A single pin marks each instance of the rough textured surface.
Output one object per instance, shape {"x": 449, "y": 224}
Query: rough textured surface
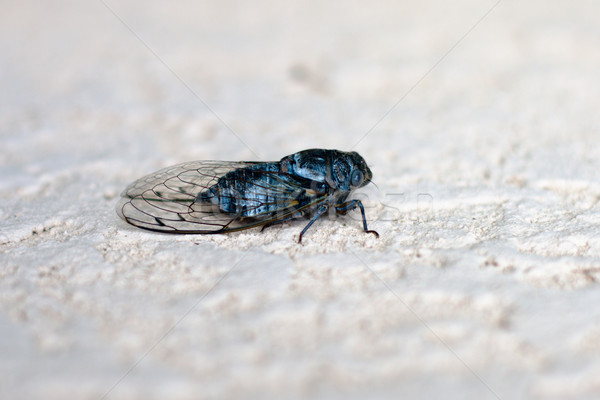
{"x": 484, "y": 283}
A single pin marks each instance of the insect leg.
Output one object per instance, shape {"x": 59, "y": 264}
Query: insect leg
{"x": 351, "y": 205}
{"x": 320, "y": 211}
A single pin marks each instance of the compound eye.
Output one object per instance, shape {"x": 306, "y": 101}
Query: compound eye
{"x": 356, "y": 178}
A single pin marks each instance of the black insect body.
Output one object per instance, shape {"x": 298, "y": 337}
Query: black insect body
{"x": 205, "y": 197}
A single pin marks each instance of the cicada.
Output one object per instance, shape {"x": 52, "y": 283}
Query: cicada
{"x": 207, "y": 197}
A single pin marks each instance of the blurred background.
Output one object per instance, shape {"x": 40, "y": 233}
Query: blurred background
{"x": 197, "y": 80}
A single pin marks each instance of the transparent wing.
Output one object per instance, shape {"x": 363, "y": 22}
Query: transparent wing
{"x": 169, "y": 200}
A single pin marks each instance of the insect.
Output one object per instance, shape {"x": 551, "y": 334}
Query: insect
{"x": 206, "y": 197}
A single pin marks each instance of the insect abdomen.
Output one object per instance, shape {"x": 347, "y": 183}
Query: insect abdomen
{"x": 244, "y": 192}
